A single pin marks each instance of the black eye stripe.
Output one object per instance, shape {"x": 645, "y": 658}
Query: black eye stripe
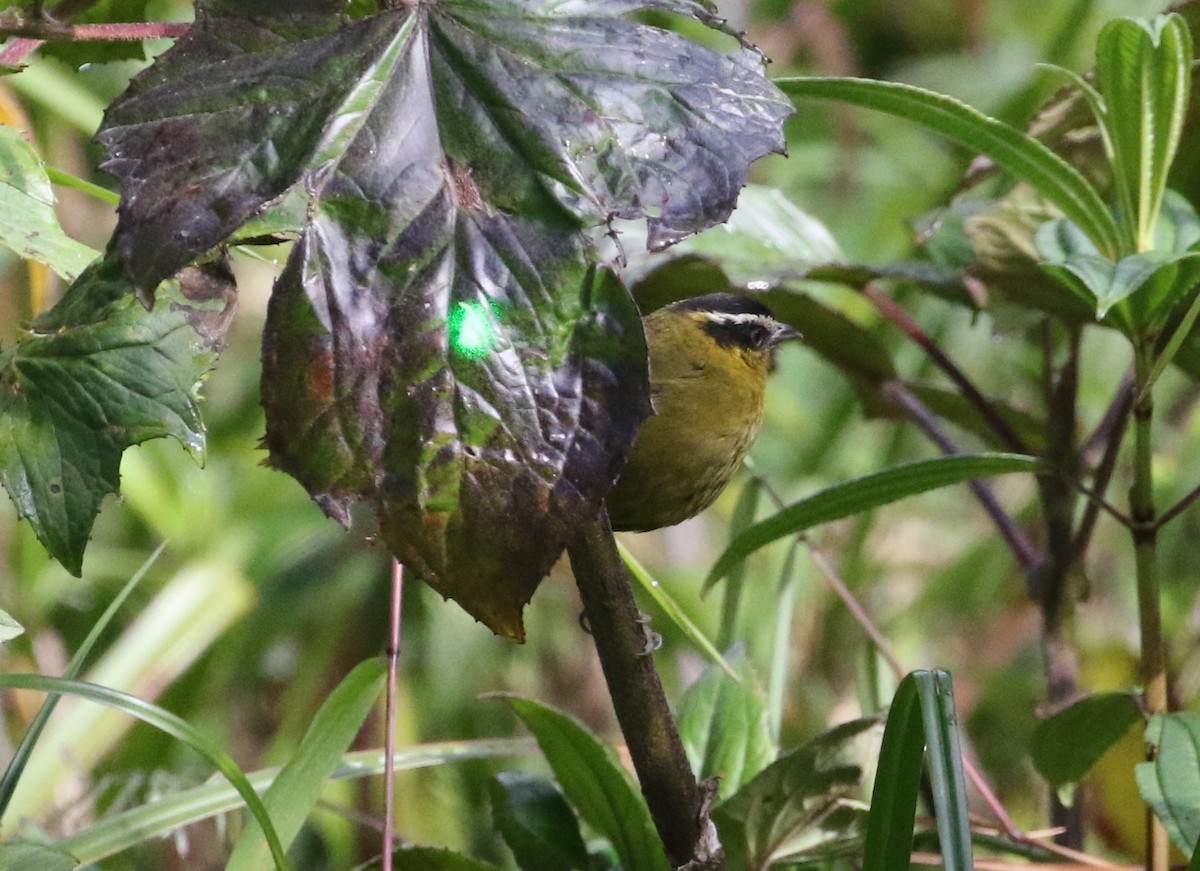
{"x": 751, "y": 331}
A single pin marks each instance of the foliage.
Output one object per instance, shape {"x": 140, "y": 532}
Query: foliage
{"x": 444, "y": 345}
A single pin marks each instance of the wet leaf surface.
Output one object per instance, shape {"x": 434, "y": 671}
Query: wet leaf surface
{"x": 437, "y": 345}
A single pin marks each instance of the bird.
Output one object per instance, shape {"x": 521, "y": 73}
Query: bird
{"x": 709, "y": 361}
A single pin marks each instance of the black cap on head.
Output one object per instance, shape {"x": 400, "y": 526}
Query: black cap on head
{"x": 725, "y": 303}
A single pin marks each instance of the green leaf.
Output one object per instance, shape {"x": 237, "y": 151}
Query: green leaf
{"x": 294, "y": 793}
{"x": 724, "y": 727}
{"x": 164, "y": 721}
{"x": 94, "y": 375}
{"x": 9, "y": 629}
{"x": 1144, "y": 75}
{"x": 864, "y": 494}
{"x": 28, "y": 225}
{"x": 922, "y": 714}
{"x": 22, "y": 856}
{"x": 1140, "y": 290}
{"x": 797, "y": 803}
{"x": 157, "y": 818}
{"x": 1171, "y": 783}
{"x": 1025, "y": 158}
{"x": 537, "y": 823}
{"x": 20, "y": 757}
{"x": 596, "y": 784}
{"x": 767, "y": 237}
{"x": 1066, "y": 745}
{"x": 743, "y": 515}
{"x": 944, "y": 756}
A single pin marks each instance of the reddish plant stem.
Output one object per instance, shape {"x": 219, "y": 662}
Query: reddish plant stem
{"x": 898, "y": 316}
{"x": 1024, "y": 551}
{"x": 29, "y": 34}
{"x": 48, "y": 28}
{"x": 389, "y": 738}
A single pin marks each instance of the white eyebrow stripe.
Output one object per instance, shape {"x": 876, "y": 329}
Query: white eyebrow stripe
{"x": 730, "y": 319}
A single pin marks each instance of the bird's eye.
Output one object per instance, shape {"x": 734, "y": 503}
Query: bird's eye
{"x": 758, "y": 336}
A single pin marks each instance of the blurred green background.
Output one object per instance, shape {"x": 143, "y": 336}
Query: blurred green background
{"x": 260, "y": 605}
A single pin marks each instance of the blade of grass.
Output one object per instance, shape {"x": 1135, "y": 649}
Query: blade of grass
{"x": 293, "y": 795}
{"x": 169, "y": 723}
{"x": 12, "y": 773}
{"x": 863, "y": 494}
{"x": 779, "y": 674}
{"x": 946, "y": 768}
{"x": 158, "y": 818}
{"x": 743, "y": 517}
{"x": 888, "y": 844}
{"x": 674, "y": 612}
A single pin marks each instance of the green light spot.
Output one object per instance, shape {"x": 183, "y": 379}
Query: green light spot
{"x": 471, "y": 332}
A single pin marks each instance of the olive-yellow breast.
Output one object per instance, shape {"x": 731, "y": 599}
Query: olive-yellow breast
{"x": 709, "y": 361}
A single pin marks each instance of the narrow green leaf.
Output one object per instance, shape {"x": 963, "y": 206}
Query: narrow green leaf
{"x": 292, "y": 796}
{"x": 863, "y": 494}
{"x": 1023, "y": 157}
{"x": 944, "y": 752}
{"x": 596, "y": 784}
{"x": 74, "y": 182}
{"x": 724, "y": 726}
{"x": 166, "y": 722}
{"x": 1066, "y": 745}
{"x": 743, "y": 517}
{"x": 889, "y": 837}
{"x": 16, "y": 765}
{"x": 780, "y": 670}
{"x": 9, "y": 629}
{"x": 800, "y": 803}
{"x": 159, "y": 817}
{"x": 537, "y": 824}
{"x": 21, "y": 856}
{"x": 28, "y": 225}
{"x": 673, "y": 610}
{"x": 1144, "y": 72}
{"x": 1171, "y": 783}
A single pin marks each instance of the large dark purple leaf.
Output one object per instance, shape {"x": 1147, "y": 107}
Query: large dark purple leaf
{"x": 438, "y": 344}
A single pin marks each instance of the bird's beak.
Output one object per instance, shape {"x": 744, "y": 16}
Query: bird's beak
{"x": 784, "y": 333}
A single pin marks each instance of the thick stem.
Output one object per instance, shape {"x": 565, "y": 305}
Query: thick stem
{"x": 677, "y": 803}
{"x": 1145, "y": 540}
{"x": 1049, "y": 585}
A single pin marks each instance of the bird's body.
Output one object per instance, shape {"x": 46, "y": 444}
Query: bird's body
{"x": 709, "y": 361}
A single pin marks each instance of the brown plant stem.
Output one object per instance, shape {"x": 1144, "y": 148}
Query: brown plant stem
{"x": 1050, "y": 584}
{"x": 677, "y": 803}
